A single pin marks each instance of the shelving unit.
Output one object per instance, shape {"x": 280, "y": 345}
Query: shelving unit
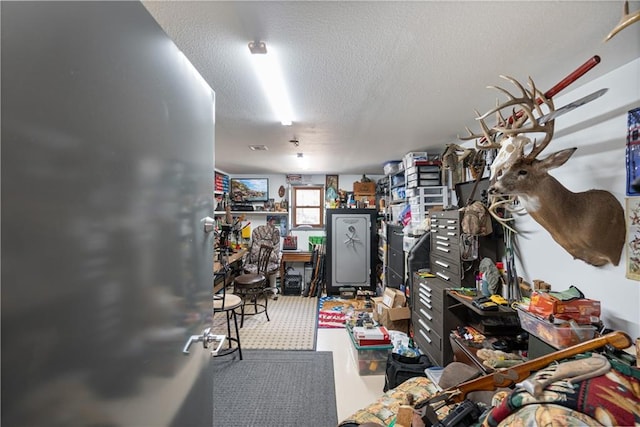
{"x": 395, "y": 197}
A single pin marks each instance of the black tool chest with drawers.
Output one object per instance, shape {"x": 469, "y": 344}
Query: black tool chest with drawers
{"x": 428, "y": 318}
{"x": 431, "y": 318}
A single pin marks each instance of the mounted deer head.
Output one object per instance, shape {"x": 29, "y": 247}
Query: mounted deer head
{"x": 590, "y": 225}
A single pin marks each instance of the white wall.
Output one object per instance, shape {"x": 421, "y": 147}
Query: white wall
{"x": 598, "y": 129}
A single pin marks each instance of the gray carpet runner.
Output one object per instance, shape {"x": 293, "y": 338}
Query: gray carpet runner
{"x": 274, "y": 388}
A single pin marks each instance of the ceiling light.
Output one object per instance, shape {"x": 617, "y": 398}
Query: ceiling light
{"x": 258, "y": 147}
{"x": 270, "y": 75}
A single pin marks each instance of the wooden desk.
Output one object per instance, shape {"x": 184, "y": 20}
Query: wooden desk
{"x": 292, "y": 256}
{"x": 235, "y": 260}
{"x": 503, "y": 321}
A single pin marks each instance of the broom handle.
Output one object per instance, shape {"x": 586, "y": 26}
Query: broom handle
{"x": 560, "y": 86}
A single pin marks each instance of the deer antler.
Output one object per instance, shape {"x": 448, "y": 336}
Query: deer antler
{"x": 530, "y": 103}
{"x": 507, "y": 134}
{"x": 626, "y": 20}
{"x": 489, "y": 138}
{"x": 506, "y": 203}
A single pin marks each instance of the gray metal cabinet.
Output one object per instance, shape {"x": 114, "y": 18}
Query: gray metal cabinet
{"x": 431, "y": 319}
{"x": 434, "y": 313}
{"x": 445, "y": 247}
{"x": 395, "y": 256}
{"x": 351, "y": 248}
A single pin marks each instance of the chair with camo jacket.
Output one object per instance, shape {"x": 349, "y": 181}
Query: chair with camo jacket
{"x": 267, "y": 234}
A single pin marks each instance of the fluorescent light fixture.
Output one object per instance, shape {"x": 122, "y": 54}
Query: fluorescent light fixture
{"x": 270, "y": 75}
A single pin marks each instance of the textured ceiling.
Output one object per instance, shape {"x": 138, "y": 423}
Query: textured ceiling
{"x": 370, "y": 81}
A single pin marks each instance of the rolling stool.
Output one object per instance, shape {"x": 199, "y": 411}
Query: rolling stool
{"x": 250, "y": 286}
{"x": 228, "y": 304}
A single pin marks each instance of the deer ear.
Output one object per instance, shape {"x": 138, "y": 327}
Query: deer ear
{"x": 556, "y": 159}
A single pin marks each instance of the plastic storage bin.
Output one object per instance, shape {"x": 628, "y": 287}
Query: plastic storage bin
{"x": 434, "y": 373}
{"x": 391, "y": 167}
{"x": 558, "y": 336}
{"x": 371, "y": 360}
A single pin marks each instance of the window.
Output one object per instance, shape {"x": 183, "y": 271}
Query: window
{"x": 308, "y": 206}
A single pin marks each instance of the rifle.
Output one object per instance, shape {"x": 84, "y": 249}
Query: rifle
{"x": 517, "y": 373}
{"x": 316, "y": 275}
{"x": 321, "y": 277}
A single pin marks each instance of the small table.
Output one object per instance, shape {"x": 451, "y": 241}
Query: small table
{"x": 292, "y": 256}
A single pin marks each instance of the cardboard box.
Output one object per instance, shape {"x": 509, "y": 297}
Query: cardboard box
{"x": 390, "y": 310}
{"x": 364, "y": 188}
{"x": 582, "y": 310}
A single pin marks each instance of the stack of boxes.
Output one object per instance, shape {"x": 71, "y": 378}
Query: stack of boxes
{"x": 423, "y": 190}
{"x": 391, "y": 311}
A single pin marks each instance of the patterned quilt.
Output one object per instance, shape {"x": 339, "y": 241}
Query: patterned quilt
{"x": 611, "y": 399}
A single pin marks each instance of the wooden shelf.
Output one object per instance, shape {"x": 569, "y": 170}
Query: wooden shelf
{"x": 503, "y": 310}
{"x": 219, "y": 213}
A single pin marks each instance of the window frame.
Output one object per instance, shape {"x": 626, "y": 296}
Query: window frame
{"x": 320, "y": 206}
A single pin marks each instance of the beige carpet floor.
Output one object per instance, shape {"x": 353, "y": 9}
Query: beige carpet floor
{"x": 292, "y": 325}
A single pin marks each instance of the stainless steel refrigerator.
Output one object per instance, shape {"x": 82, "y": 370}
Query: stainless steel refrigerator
{"x": 107, "y": 171}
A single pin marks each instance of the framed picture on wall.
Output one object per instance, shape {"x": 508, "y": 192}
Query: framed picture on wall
{"x": 633, "y": 238}
{"x": 331, "y": 188}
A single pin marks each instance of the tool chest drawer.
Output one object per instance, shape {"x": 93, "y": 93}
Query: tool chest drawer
{"x": 428, "y": 317}
{"x": 447, "y": 250}
{"x": 450, "y": 268}
{"x": 395, "y": 236}
{"x": 430, "y": 343}
{"x": 425, "y": 292}
{"x": 452, "y": 280}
